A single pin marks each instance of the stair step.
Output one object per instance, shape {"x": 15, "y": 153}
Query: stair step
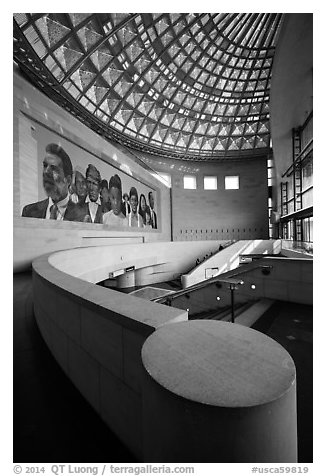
{"x": 251, "y": 315}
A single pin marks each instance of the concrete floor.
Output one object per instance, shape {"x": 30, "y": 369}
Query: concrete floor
{"x": 291, "y": 325}
{"x": 52, "y": 421}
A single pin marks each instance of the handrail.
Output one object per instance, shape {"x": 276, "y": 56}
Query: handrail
{"x": 232, "y": 282}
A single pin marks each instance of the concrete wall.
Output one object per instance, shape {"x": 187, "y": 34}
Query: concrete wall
{"x": 289, "y": 279}
{"x": 220, "y": 393}
{"x": 153, "y": 262}
{"x": 228, "y": 259}
{"x": 291, "y": 99}
{"x": 218, "y": 214}
{"x": 97, "y": 335}
{"x": 34, "y": 237}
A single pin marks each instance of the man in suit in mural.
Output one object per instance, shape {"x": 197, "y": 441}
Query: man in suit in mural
{"x": 153, "y": 214}
{"x": 57, "y": 173}
{"x": 125, "y": 204}
{"x": 91, "y": 210}
{"x": 79, "y": 187}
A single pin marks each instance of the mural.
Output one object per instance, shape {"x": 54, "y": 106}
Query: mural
{"x": 75, "y": 185}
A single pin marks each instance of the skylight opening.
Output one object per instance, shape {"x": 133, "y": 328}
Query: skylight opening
{"x": 205, "y": 69}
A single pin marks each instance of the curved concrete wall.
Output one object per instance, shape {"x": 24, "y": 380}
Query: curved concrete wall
{"x": 97, "y": 334}
{"x": 153, "y": 262}
{"x": 218, "y": 392}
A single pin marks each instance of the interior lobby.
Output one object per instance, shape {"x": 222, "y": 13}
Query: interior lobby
{"x": 163, "y": 237}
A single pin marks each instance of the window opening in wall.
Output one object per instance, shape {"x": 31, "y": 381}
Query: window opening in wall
{"x": 210, "y": 182}
{"x": 231, "y": 182}
{"x": 297, "y": 190}
{"x": 270, "y": 179}
{"x": 189, "y": 182}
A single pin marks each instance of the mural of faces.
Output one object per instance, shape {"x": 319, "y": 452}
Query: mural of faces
{"x": 80, "y": 186}
{"x": 133, "y": 200}
{"x": 86, "y": 198}
{"x": 93, "y": 188}
{"x": 148, "y": 220}
{"x": 151, "y": 200}
{"x": 55, "y": 182}
{"x": 116, "y": 200}
{"x": 142, "y": 203}
{"x": 105, "y": 195}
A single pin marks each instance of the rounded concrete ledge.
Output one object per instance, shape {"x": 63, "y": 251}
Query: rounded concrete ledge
{"x": 218, "y": 392}
{"x": 222, "y": 392}
{"x": 96, "y": 335}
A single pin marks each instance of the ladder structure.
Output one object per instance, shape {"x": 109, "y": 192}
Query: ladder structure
{"x": 297, "y": 180}
{"x": 285, "y": 208}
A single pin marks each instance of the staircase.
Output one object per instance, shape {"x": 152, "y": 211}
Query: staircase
{"x": 222, "y": 314}
{"x": 245, "y": 314}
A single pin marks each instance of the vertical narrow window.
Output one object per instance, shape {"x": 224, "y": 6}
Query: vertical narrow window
{"x": 189, "y": 182}
{"x": 210, "y": 182}
{"x": 231, "y": 182}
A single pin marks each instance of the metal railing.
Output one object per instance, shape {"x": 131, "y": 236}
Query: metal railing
{"x": 231, "y": 281}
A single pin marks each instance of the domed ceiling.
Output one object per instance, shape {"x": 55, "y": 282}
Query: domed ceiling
{"x": 190, "y": 86}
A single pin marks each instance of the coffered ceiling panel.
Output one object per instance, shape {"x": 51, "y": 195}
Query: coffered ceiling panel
{"x": 192, "y": 86}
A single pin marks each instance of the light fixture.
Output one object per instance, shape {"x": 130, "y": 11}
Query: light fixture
{"x": 266, "y": 270}
{"x": 218, "y": 298}
{"x": 253, "y": 286}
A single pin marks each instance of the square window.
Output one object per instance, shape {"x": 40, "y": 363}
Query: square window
{"x": 232, "y": 182}
{"x": 189, "y": 182}
{"x": 210, "y": 183}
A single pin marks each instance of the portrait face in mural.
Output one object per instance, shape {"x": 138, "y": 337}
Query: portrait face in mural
{"x": 151, "y": 200}
{"x": 153, "y": 213}
{"x": 93, "y": 178}
{"x": 142, "y": 203}
{"x": 55, "y": 181}
{"x": 116, "y": 200}
{"x": 80, "y": 186}
{"x": 105, "y": 195}
{"x": 133, "y": 200}
{"x": 148, "y": 220}
{"x": 115, "y": 194}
